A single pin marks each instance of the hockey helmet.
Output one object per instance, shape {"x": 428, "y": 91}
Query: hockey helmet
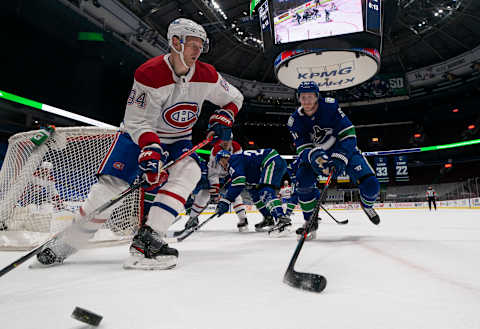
{"x": 308, "y": 87}
{"x": 285, "y": 183}
{"x": 183, "y": 27}
{"x": 222, "y": 154}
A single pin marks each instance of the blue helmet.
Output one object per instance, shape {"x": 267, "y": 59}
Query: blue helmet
{"x": 222, "y": 154}
{"x": 308, "y": 87}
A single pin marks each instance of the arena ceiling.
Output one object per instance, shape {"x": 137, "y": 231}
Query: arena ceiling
{"x": 416, "y": 32}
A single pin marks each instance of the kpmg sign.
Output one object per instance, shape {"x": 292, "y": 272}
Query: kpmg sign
{"x": 328, "y": 76}
{"x": 331, "y": 69}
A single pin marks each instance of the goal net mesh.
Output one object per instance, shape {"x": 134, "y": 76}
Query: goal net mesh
{"x": 42, "y": 187}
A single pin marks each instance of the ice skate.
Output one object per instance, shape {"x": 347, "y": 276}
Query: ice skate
{"x": 281, "y": 228}
{"x": 149, "y": 251}
{"x": 311, "y": 233}
{"x": 371, "y": 214}
{"x": 242, "y": 225}
{"x": 54, "y": 253}
{"x": 265, "y": 224}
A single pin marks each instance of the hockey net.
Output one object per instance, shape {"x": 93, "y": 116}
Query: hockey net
{"x": 42, "y": 188}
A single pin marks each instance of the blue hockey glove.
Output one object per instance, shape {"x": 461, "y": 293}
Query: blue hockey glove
{"x": 338, "y": 163}
{"x": 318, "y": 159}
{"x": 150, "y": 161}
{"x": 221, "y": 123}
{"x": 223, "y": 206}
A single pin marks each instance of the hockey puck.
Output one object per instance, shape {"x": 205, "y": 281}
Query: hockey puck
{"x": 86, "y": 316}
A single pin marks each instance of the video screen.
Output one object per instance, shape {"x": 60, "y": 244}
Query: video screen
{"x": 297, "y": 20}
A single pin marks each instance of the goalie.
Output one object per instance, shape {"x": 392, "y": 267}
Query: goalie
{"x": 41, "y": 189}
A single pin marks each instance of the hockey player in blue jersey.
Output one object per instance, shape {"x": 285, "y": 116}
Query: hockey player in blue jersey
{"x": 261, "y": 169}
{"x": 325, "y": 140}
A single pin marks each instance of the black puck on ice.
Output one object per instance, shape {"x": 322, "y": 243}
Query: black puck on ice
{"x": 86, "y": 316}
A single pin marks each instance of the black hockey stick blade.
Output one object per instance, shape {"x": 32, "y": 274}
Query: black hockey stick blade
{"x": 305, "y": 281}
{"x": 339, "y": 222}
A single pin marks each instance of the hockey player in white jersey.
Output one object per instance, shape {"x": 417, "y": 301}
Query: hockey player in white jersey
{"x": 164, "y": 104}
{"x": 217, "y": 173}
{"x": 41, "y": 188}
{"x": 285, "y": 192}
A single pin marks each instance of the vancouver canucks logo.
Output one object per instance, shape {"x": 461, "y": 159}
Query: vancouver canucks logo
{"x": 320, "y": 135}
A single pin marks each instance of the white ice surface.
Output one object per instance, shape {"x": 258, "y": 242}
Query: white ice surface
{"x": 415, "y": 270}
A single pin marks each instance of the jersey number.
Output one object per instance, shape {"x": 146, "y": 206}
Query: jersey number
{"x": 381, "y": 171}
{"x": 401, "y": 170}
{"x": 253, "y": 152}
{"x": 137, "y": 100}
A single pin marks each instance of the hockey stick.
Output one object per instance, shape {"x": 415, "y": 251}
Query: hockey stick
{"x": 301, "y": 280}
{"x": 191, "y": 230}
{"x": 339, "y": 222}
{"x": 102, "y": 208}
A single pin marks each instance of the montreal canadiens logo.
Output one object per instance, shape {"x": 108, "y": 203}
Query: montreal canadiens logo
{"x": 118, "y": 165}
{"x": 181, "y": 115}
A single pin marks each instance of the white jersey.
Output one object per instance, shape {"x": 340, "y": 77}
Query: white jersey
{"x": 215, "y": 170}
{"x": 430, "y": 193}
{"x": 41, "y": 187}
{"x": 163, "y": 103}
{"x": 286, "y": 192}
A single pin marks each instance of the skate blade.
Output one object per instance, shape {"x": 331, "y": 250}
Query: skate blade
{"x": 310, "y": 236}
{"x": 37, "y": 265}
{"x": 285, "y": 231}
{"x": 263, "y": 229}
{"x": 142, "y": 263}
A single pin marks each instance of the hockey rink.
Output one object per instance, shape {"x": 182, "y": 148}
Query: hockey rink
{"x": 417, "y": 269}
{"x": 347, "y": 19}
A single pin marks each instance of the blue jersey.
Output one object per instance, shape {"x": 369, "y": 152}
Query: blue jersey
{"x": 292, "y": 170}
{"x": 246, "y": 168}
{"x": 329, "y": 128}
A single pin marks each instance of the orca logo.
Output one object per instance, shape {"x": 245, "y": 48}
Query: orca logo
{"x": 181, "y": 115}
{"x": 320, "y": 135}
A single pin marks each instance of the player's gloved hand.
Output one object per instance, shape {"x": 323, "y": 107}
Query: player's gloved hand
{"x": 220, "y": 123}
{"x": 318, "y": 159}
{"x": 223, "y": 206}
{"x": 150, "y": 162}
{"x": 338, "y": 163}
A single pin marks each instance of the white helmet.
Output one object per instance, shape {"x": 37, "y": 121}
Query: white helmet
{"x": 183, "y": 27}
{"x": 46, "y": 165}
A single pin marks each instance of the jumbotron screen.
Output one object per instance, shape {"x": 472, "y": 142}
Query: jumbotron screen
{"x": 298, "y": 20}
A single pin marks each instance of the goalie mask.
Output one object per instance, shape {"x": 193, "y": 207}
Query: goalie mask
{"x": 182, "y": 28}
